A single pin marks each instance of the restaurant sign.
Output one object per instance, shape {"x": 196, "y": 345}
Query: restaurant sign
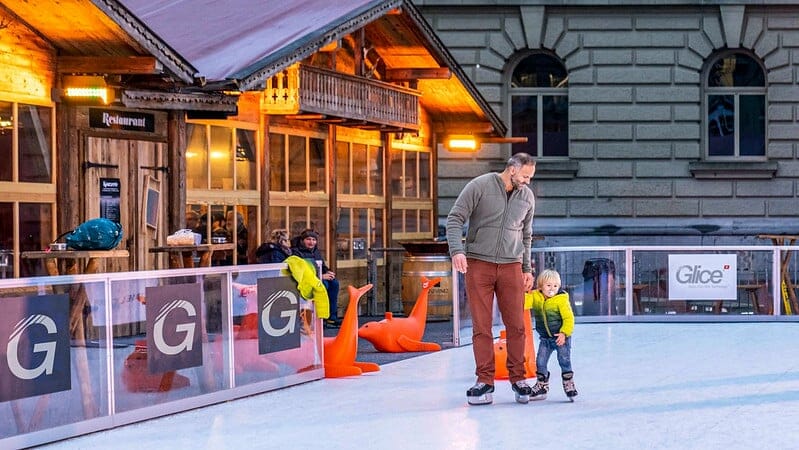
{"x": 121, "y": 120}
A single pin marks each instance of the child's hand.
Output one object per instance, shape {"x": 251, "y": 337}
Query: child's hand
{"x": 560, "y": 339}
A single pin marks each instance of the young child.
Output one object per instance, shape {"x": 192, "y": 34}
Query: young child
{"x": 554, "y": 323}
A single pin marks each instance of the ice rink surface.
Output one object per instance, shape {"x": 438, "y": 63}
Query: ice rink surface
{"x": 641, "y": 386}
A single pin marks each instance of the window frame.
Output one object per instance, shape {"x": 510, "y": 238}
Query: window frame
{"x": 736, "y": 92}
{"x": 539, "y": 93}
{"x": 285, "y": 204}
{"x": 17, "y": 193}
{"x": 402, "y": 204}
{"x": 348, "y": 254}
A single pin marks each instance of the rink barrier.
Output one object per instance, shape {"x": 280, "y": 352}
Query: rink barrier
{"x": 595, "y": 278}
{"x": 199, "y": 344}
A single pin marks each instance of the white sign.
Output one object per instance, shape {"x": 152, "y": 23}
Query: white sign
{"x": 703, "y": 277}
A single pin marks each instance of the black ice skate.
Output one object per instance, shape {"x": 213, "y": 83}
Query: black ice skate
{"x": 541, "y": 387}
{"x": 522, "y": 391}
{"x": 568, "y": 385}
{"x": 480, "y": 394}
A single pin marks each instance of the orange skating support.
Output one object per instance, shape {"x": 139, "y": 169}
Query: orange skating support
{"x": 397, "y": 335}
{"x": 501, "y": 351}
{"x": 137, "y": 378}
{"x": 340, "y": 351}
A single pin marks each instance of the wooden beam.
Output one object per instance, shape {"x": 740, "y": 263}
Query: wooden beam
{"x": 145, "y": 65}
{"x": 437, "y": 73}
{"x": 305, "y": 116}
{"x": 504, "y": 140}
{"x": 463, "y": 128}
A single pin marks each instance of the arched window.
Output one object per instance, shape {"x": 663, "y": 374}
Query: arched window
{"x": 539, "y": 106}
{"x": 735, "y": 99}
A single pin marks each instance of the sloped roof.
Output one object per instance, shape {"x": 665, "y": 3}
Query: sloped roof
{"x": 225, "y": 44}
{"x": 230, "y": 39}
{"x": 96, "y": 28}
{"x": 244, "y": 42}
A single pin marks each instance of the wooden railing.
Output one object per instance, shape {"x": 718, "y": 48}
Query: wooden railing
{"x": 311, "y": 90}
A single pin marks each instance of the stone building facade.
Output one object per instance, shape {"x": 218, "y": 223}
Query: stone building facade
{"x": 642, "y": 163}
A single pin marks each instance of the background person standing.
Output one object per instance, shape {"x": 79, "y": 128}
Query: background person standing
{"x": 499, "y": 210}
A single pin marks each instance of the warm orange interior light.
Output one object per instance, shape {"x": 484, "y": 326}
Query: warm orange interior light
{"x": 464, "y": 143}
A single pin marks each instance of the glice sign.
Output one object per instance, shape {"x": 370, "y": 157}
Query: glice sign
{"x": 703, "y": 277}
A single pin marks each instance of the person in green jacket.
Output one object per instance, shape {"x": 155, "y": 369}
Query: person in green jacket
{"x": 554, "y": 323}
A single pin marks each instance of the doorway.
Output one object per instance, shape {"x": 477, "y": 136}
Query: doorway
{"x": 125, "y": 180}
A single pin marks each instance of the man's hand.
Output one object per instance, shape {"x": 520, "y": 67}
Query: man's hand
{"x": 528, "y": 281}
{"x": 329, "y": 275}
{"x": 459, "y": 263}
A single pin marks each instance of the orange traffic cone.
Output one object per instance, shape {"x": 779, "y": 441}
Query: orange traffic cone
{"x": 340, "y": 351}
{"x": 501, "y": 351}
{"x": 396, "y": 335}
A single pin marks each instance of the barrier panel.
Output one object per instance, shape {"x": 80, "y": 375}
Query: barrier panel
{"x": 146, "y": 344}
{"x": 663, "y": 283}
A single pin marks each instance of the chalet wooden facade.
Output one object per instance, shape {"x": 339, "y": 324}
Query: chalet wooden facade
{"x": 333, "y": 128}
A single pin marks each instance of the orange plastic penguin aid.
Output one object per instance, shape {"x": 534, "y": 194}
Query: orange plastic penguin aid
{"x": 395, "y": 335}
{"x": 340, "y": 351}
{"x": 501, "y": 351}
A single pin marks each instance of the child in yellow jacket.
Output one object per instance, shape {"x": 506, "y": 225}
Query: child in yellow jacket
{"x": 554, "y": 323}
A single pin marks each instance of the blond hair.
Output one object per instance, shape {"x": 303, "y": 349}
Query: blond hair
{"x": 547, "y": 275}
{"x": 279, "y": 235}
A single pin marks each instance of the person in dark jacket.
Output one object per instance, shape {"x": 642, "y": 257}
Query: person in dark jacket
{"x": 306, "y": 248}
{"x": 276, "y": 250}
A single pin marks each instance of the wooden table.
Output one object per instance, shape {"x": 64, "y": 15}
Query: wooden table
{"x": 182, "y": 256}
{"x": 637, "y": 288}
{"x": 71, "y": 262}
{"x": 751, "y": 293}
{"x": 788, "y": 288}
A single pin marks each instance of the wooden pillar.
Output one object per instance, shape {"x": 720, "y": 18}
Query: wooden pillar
{"x": 176, "y": 161}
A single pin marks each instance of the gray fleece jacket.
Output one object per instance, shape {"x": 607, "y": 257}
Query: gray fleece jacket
{"x": 500, "y": 228}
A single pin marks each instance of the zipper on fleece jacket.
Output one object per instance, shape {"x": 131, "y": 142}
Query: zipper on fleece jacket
{"x": 504, "y": 219}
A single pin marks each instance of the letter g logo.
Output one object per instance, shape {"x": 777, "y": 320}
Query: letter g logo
{"x": 12, "y": 355}
{"x": 188, "y": 328}
{"x": 290, "y": 314}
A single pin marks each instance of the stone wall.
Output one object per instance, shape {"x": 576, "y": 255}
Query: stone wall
{"x": 635, "y": 114}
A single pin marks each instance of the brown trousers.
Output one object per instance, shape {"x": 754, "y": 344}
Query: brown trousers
{"x": 483, "y": 280}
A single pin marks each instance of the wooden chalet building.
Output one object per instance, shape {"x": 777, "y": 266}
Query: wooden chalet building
{"x": 320, "y": 114}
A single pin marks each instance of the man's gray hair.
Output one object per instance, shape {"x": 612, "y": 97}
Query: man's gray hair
{"x": 520, "y": 159}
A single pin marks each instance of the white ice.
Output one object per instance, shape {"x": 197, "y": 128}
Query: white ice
{"x": 641, "y": 385}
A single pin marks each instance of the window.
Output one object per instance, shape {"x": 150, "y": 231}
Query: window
{"x": 412, "y": 205}
{"x": 234, "y": 223}
{"x": 735, "y": 99}
{"x": 302, "y": 160}
{"x": 361, "y": 203}
{"x": 218, "y": 155}
{"x": 539, "y": 106}
{"x": 26, "y": 173}
{"x": 298, "y": 176}
{"x": 221, "y": 182}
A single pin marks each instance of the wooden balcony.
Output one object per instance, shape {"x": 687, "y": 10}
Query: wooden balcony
{"x": 347, "y": 100}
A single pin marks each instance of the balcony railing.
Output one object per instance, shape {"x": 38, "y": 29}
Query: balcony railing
{"x": 302, "y": 89}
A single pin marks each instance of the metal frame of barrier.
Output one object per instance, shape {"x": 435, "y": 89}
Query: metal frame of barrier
{"x": 772, "y": 262}
{"x": 109, "y": 383}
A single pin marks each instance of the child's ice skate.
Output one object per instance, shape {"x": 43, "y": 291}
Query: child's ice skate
{"x": 480, "y": 394}
{"x": 568, "y": 385}
{"x": 522, "y": 391}
{"x": 541, "y": 387}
